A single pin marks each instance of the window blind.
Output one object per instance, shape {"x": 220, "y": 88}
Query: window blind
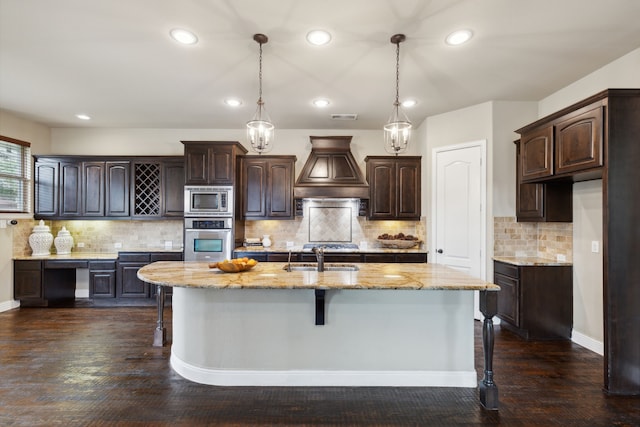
{"x": 15, "y": 175}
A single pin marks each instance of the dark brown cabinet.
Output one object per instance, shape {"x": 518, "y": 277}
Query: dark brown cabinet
{"x": 394, "y": 257}
{"x": 394, "y": 187}
{"x": 128, "y": 284}
{"x": 570, "y": 146}
{"x": 542, "y": 202}
{"x": 267, "y": 187}
{"x": 27, "y": 280}
{"x": 102, "y": 279}
{"x": 93, "y": 187}
{"x": 535, "y": 301}
{"x": 211, "y": 162}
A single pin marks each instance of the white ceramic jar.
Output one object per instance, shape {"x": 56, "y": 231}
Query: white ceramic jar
{"x": 266, "y": 241}
{"x": 41, "y": 240}
{"x": 63, "y": 242}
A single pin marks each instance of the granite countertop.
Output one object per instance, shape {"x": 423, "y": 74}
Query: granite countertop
{"x": 272, "y": 275}
{"x": 346, "y": 251}
{"x": 528, "y": 261}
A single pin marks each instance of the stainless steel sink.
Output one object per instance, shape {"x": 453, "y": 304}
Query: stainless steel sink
{"x": 327, "y": 267}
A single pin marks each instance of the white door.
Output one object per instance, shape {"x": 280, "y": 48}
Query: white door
{"x": 459, "y": 213}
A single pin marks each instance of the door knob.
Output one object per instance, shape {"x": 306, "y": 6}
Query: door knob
{"x": 439, "y": 251}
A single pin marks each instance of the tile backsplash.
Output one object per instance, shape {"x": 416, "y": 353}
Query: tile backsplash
{"x": 104, "y": 236}
{"x": 544, "y": 240}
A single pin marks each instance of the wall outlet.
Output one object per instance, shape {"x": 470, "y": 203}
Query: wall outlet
{"x": 80, "y": 244}
{"x": 117, "y": 245}
{"x": 289, "y": 244}
{"x": 168, "y": 244}
{"x": 561, "y": 258}
{"x": 595, "y": 246}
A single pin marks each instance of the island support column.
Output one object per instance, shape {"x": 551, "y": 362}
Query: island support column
{"x": 488, "y": 388}
{"x": 160, "y": 333}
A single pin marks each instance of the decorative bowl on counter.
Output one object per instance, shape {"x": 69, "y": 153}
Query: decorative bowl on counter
{"x": 235, "y": 265}
{"x": 398, "y": 244}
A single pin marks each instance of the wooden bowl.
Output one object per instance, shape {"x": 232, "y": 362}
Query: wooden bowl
{"x": 398, "y": 244}
{"x": 237, "y": 265}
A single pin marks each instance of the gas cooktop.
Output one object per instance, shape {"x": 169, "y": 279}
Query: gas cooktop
{"x": 330, "y": 246}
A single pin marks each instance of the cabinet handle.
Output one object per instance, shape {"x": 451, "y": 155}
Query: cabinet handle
{"x": 439, "y": 251}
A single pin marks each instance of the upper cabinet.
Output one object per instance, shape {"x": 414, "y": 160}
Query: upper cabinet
{"x": 211, "y": 162}
{"x": 570, "y": 146}
{"x": 394, "y": 187}
{"x": 266, "y": 184}
{"x": 92, "y": 187}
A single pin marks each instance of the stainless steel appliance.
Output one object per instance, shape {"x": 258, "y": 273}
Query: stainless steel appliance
{"x": 207, "y": 201}
{"x": 208, "y": 239}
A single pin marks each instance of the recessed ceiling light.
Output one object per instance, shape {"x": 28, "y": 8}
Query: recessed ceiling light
{"x": 233, "y": 102}
{"x": 83, "y": 117}
{"x": 318, "y": 37}
{"x": 183, "y": 36}
{"x": 459, "y": 37}
{"x": 321, "y": 102}
{"x": 408, "y": 103}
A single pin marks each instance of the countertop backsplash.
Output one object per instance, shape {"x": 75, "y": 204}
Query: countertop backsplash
{"x": 544, "y": 240}
{"x": 105, "y": 236}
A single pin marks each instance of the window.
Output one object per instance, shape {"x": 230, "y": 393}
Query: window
{"x": 15, "y": 175}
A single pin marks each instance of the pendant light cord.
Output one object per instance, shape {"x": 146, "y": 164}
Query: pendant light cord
{"x": 260, "y": 76}
{"x": 397, "y": 73}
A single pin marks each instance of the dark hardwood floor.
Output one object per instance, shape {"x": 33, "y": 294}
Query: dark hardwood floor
{"x": 96, "y": 367}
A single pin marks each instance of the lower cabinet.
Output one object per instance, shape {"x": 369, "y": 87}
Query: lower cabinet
{"x": 535, "y": 301}
{"x": 102, "y": 279}
{"x": 128, "y": 285}
{"x": 393, "y": 257}
{"x": 27, "y": 281}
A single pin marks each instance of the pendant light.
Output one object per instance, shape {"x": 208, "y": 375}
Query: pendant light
{"x": 260, "y": 129}
{"x": 398, "y": 129}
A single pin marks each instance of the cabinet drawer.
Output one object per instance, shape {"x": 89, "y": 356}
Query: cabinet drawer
{"x": 506, "y": 269}
{"x": 102, "y": 265}
{"x": 166, "y": 256}
{"x": 27, "y": 265}
{"x": 134, "y": 257}
{"x": 411, "y": 257}
{"x": 53, "y": 264}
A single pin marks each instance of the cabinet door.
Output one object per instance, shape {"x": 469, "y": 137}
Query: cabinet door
{"x": 46, "y": 189}
{"x": 536, "y": 154}
{"x": 27, "y": 280}
{"x": 382, "y": 189}
{"x": 221, "y": 165}
{"x": 92, "y": 194}
{"x": 408, "y": 189}
{"x": 70, "y": 189}
{"x": 129, "y": 286}
{"x": 508, "y": 301}
{"x": 578, "y": 144}
{"x": 173, "y": 188}
{"x": 254, "y": 188}
{"x": 196, "y": 163}
{"x": 117, "y": 185}
{"x": 102, "y": 284}
{"x": 280, "y": 189}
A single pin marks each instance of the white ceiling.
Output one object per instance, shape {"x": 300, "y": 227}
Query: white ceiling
{"x": 114, "y": 59}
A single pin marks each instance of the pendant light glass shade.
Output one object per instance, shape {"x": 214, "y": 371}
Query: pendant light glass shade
{"x": 397, "y": 131}
{"x": 260, "y": 130}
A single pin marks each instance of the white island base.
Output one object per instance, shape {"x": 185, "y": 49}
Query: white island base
{"x": 268, "y": 337}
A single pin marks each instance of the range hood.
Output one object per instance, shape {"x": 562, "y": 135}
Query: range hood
{"x": 331, "y": 171}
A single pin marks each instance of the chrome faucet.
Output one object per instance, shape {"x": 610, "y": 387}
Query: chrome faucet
{"x": 319, "y": 251}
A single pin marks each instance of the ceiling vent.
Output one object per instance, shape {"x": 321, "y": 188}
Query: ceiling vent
{"x": 349, "y": 116}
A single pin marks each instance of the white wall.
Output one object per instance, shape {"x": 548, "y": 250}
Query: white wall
{"x": 39, "y": 137}
{"x": 588, "y": 322}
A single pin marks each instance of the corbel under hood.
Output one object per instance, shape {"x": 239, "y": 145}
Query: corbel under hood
{"x": 331, "y": 171}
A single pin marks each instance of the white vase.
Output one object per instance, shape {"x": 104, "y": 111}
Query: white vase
{"x": 41, "y": 240}
{"x": 63, "y": 242}
{"x": 266, "y": 241}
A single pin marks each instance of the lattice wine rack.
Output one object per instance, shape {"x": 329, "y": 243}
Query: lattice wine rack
{"x": 147, "y": 189}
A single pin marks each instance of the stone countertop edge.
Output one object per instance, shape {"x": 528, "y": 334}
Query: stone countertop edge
{"x": 272, "y": 275}
{"x": 88, "y": 255}
{"x": 342, "y": 251}
{"x": 530, "y": 261}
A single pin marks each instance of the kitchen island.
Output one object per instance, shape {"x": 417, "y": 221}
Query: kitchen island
{"x": 366, "y": 325}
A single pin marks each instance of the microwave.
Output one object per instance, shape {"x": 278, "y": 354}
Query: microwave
{"x": 202, "y": 200}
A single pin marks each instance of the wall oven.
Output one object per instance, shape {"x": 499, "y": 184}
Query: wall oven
{"x": 208, "y": 239}
{"x": 206, "y": 201}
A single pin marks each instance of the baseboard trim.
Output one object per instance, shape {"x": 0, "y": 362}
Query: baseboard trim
{"x": 319, "y": 378}
{"x": 588, "y": 342}
{"x": 9, "y": 305}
